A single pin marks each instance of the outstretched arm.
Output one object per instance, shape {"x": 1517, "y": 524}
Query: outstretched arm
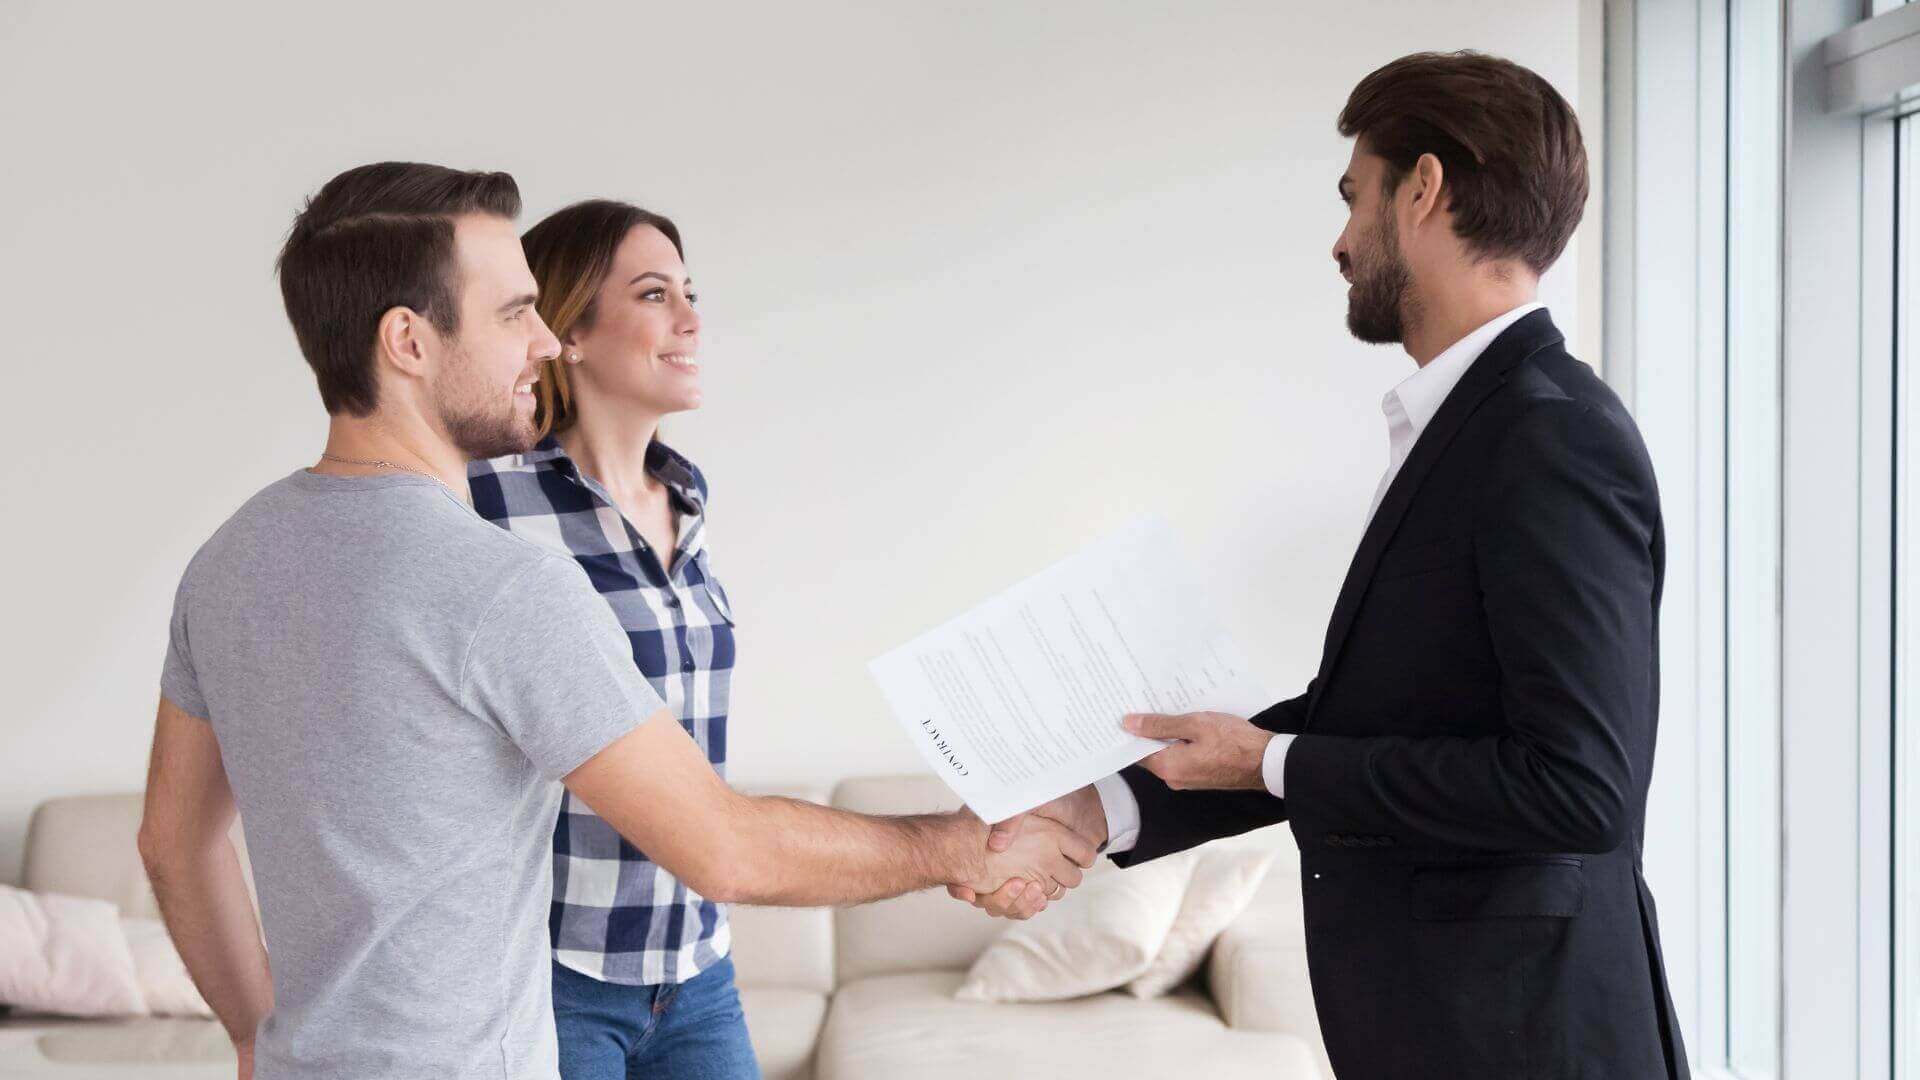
{"x": 551, "y": 665}
{"x": 656, "y": 788}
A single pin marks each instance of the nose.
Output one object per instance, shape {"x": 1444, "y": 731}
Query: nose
{"x": 544, "y": 345}
{"x": 688, "y": 324}
{"x": 1340, "y": 250}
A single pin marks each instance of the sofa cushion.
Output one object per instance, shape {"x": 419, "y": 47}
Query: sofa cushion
{"x": 918, "y": 931}
{"x": 785, "y": 947}
{"x": 784, "y": 1025}
{"x": 891, "y": 1026}
{"x": 142, "y": 1047}
{"x": 85, "y": 845}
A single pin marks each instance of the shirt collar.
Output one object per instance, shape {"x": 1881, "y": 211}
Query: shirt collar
{"x": 665, "y": 463}
{"x": 1420, "y": 394}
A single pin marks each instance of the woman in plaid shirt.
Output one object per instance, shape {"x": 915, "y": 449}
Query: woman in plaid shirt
{"x": 642, "y": 980}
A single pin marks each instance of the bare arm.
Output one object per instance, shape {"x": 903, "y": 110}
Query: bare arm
{"x": 196, "y": 875}
{"x": 656, "y": 788}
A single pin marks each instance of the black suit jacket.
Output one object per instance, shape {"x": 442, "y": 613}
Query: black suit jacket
{"x": 1469, "y": 784}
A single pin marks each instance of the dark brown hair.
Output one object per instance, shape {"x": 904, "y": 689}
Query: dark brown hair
{"x": 571, "y": 252}
{"x": 1509, "y": 146}
{"x": 375, "y": 238}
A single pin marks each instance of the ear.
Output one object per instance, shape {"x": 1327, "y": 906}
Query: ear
{"x": 1427, "y": 186}
{"x": 406, "y": 339}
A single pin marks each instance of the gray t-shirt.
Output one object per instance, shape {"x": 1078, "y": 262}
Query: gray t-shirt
{"x": 396, "y": 684}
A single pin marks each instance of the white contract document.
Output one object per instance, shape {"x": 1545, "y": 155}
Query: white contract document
{"x": 1019, "y": 700}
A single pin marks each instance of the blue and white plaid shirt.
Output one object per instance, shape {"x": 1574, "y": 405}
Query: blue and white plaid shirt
{"x": 616, "y": 915}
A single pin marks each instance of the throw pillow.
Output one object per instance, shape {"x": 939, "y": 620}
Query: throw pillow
{"x": 1094, "y": 939}
{"x": 1223, "y": 884}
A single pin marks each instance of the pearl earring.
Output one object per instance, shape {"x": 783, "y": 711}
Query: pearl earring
{"x": 575, "y": 357}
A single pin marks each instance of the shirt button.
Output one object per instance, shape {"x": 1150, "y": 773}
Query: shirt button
{"x": 673, "y": 601}
{"x": 686, "y": 665}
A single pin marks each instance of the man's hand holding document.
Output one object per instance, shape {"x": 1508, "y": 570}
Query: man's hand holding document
{"x": 1019, "y": 701}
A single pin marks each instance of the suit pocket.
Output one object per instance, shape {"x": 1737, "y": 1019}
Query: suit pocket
{"x": 1553, "y": 887}
{"x": 1422, "y": 557}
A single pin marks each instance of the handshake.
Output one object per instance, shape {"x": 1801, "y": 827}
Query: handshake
{"x": 1035, "y": 857}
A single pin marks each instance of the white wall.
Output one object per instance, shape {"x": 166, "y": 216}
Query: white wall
{"x": 979, "y": 283}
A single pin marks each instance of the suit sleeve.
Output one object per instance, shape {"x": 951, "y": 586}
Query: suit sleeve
{"x": 1173, "y": 821}
{"x": 1564, "y": 537}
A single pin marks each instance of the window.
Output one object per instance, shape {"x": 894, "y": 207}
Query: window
{"x": 1904, "y": 743}
{"x": 1890, "y": 748}
{"x": 1764, "y": 208}
{"x": 1752, "y": 538}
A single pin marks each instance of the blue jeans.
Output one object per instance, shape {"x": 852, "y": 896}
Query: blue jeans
{"x": 693, "y": 1031}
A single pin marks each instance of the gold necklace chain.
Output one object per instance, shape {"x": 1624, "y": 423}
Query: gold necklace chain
{"x": 378, "y": 464}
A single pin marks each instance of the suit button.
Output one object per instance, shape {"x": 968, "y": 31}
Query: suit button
{"x": 1335, "y": 839}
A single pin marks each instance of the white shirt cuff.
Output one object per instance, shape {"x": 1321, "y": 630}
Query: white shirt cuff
{"x": 1273, "y": 767}
{"x": 1122, "y": 811}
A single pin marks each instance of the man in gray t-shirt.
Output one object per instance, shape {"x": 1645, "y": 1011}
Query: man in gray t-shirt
{"x": 386, "y": 686}
{"x": 391, "y": 680}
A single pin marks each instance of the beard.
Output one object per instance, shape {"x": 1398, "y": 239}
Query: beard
{"x": 1382, "y": 287}
{"x": 481, "y": 422}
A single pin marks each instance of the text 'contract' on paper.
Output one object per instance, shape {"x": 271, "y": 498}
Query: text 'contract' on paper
{"x": 1019, "y": 700}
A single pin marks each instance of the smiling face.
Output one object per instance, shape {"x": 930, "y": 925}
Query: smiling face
{"x": 483, "y": 388}
{"x": 1370, "y": 256}
{"x": 639, "y": 350}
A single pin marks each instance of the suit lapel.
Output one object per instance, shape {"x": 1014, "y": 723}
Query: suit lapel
{"x": 1521, "y": 340}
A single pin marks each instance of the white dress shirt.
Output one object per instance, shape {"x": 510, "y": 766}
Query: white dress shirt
{"x": 1409, "y": 408}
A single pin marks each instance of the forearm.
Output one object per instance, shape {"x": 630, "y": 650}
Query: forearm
{"x": 203, "y": 899}
{"x": 793, "y": 853}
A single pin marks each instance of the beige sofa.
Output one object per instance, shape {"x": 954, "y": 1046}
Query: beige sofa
{"x": 858, "y": 994}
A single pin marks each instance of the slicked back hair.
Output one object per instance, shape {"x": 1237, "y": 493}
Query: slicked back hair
{"x": 375, "y": 238}
{"x": 1509, "y": 146}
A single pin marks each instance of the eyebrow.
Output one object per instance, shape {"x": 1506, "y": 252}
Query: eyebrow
{"x": 638, "y": 278}
{"x": 524, "y": 300}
